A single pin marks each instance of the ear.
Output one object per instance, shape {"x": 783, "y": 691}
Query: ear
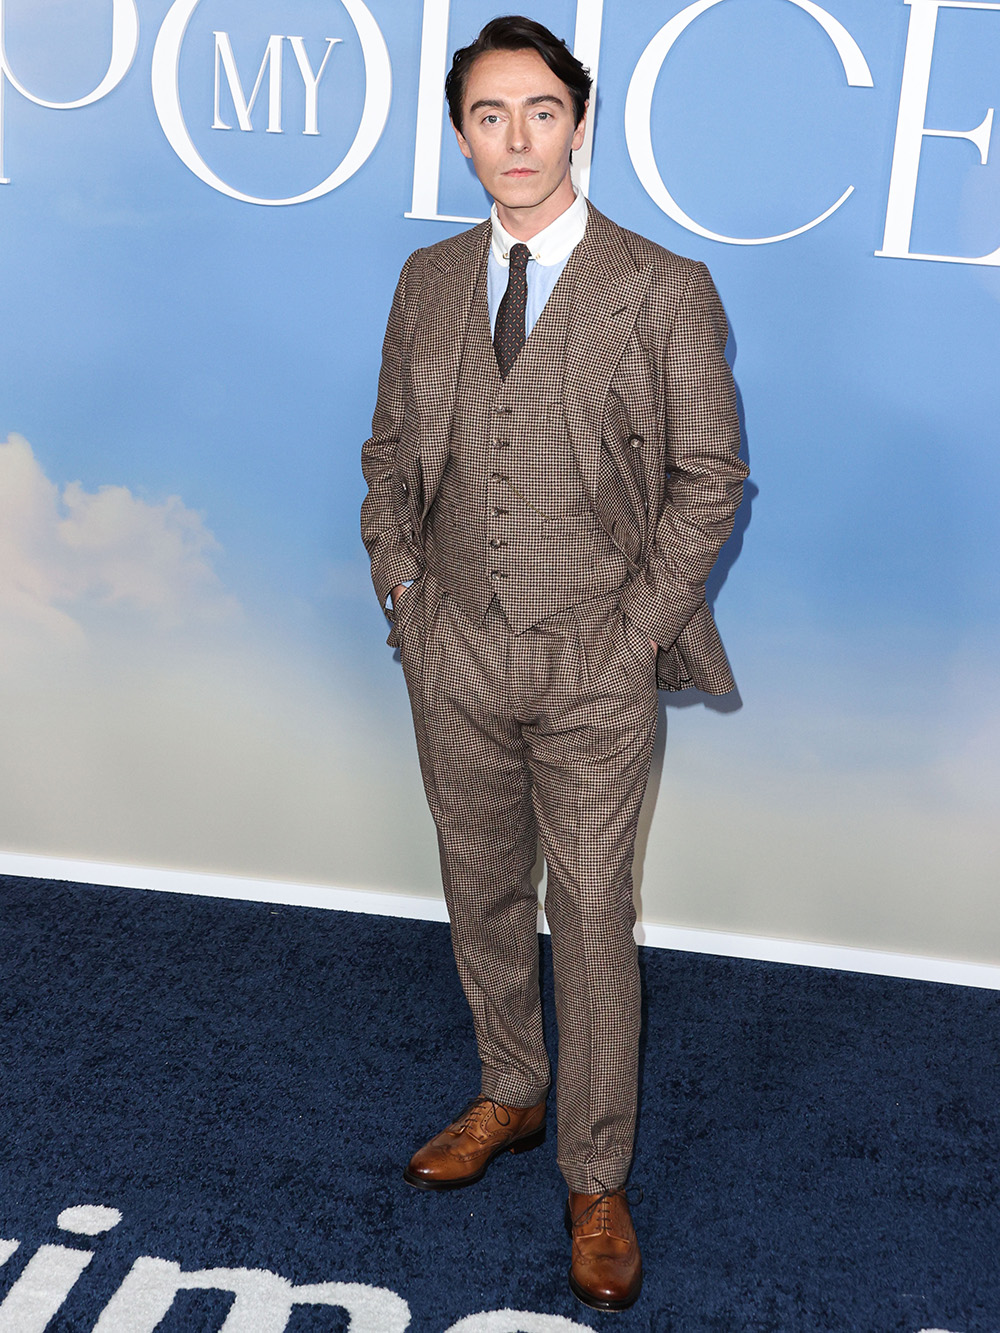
{"x": 462, "y": 143}
{"x": 581, "y": 129}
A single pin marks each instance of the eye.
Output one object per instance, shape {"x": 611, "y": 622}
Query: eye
{"x": 491, "y": 119}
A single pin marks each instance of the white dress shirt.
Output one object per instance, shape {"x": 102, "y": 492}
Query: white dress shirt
{"x": 550, "y": 249}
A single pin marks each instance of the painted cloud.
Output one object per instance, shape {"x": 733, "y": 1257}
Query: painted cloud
{"x": 64, "y": 551}
{"x": 145, "y": 720}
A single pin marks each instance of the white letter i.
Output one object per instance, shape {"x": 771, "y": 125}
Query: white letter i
{"x": 52, "y": 1271}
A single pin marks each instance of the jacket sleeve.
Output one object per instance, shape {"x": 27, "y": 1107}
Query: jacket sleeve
{"x": 704, "y": 483}
{"x": 386, "y": 524}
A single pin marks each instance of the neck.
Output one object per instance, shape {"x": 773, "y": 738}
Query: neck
{"x": 524, "y": 223}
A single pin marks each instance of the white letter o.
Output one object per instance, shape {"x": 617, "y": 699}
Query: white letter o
{"x": 167, "y": 100}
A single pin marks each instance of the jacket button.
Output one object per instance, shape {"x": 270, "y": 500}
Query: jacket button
{"x": 636, "y": 441}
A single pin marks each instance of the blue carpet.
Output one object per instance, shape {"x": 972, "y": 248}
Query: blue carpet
{"x": 244, "y": 1083}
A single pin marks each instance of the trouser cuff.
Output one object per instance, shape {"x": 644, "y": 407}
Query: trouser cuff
{"x": 512, "y": 1092}
{"x": 593, "y": 1177}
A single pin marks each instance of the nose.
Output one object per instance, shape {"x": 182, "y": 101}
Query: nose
{"x": 517, "y": 135}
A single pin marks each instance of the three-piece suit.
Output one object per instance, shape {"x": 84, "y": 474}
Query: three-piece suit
{"x": 549, "y": 525}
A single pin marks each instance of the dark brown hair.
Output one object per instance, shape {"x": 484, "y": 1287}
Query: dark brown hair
{"x": 516, "y": 33}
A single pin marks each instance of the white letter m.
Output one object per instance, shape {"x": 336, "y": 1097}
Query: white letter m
{"x": 264, "y": 1301}
{"x": 271, "y": 64}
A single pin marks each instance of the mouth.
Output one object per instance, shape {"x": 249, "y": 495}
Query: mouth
{"x": 518, "y": 172}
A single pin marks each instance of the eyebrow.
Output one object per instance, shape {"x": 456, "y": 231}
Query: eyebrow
{"x": 500, "y": 105}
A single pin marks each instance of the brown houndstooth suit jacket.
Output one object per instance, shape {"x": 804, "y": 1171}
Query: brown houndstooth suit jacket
{"x": 650, "y": 408}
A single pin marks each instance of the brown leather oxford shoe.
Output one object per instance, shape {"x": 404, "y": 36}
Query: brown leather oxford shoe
{"x": 606, "y": 1268}
{"x": 460, "y": 1154}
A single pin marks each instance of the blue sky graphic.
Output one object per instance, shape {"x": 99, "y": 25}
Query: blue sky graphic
{"x": 160, "y": 336}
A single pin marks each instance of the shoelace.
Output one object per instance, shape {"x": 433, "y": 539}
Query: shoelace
{"x": 479, "y": 1104}
{"x": 602, "y": 1203}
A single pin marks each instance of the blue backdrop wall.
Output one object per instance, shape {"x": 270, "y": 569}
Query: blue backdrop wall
{"x": 195, "y": 283}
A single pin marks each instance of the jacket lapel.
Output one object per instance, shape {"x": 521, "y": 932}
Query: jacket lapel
{"x": 446, "y": 304}
{"x": 608, "y": 290}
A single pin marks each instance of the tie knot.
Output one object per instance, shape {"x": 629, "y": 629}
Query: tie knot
{"x": 519, "y": 256}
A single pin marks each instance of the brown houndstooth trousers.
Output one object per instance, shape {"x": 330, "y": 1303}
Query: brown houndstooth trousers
{"x": 545, "y": 734}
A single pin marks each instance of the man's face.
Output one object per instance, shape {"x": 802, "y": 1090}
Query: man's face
{"x": 518, "y": 131}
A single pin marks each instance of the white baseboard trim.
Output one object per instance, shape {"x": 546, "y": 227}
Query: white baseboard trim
{"x": 224, "y": 886}
{"x": 802, "y": 953}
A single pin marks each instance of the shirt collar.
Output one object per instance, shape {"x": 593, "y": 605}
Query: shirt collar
{"x": 551, "y": 245}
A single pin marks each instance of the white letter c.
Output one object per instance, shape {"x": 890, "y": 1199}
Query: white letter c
{"x": 639, "y": 102}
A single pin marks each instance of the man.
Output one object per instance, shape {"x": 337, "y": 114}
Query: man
{"x": 552, "y": 471}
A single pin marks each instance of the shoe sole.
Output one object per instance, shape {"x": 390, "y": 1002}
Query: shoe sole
{"x": 524, "y": 1144}
{"x": 595, "y": 1303}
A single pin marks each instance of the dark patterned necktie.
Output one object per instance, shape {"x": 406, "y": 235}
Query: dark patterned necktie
{"x": 508, "y": 332}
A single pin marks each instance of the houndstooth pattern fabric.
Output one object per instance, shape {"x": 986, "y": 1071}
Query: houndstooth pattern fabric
{"x": 511, "y": 518}
{"x": 648, "y": 403}
{"x": 508, "y": 335}
{"x": 545, "y": 734}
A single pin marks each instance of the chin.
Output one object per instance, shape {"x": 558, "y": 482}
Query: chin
{"x": 512, "y": 200}
{"x": 521, "y": 194}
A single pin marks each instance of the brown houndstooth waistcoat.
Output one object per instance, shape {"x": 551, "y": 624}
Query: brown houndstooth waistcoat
{"x": 511, "y": 518}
